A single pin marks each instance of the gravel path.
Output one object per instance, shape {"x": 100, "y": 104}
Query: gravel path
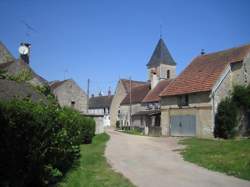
{"x": 155, "y": 162}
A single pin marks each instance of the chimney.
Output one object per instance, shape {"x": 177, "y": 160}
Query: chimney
{"x": 24, "y": 51}
{"x": 155, "y": 79}
{"x": 202, "y": 51}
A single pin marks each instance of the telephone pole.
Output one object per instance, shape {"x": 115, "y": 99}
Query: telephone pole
{"x": 130, "y": 102}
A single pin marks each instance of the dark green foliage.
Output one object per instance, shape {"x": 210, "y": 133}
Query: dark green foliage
{"x": 38, "y": 142}
{"x": 226, "y": 119}
{"x": 3, "y": 74}
{"x": 241, "y": 96}
{"x": 231, "y": 117}
{"x": 89, "y": 131}
{"x": 46, "y": 91}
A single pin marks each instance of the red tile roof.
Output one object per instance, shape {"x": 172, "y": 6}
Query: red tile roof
{"x": 137, "y": 94}
{"x": 56, "y": 84}
{"x": 153, "y": 95}
{"x": 126, "y": 84}
{"x": 204, "y": 71}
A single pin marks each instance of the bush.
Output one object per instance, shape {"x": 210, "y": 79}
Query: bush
{"x": 89, "y": 131}
{"x": 226, "y": 119}
{"x": 38, "y": 142}
{"x": 117, "y": 124}
{"x": 241, "y": 96}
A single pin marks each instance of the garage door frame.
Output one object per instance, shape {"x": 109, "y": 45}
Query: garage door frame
{"x": 183, "y": 125}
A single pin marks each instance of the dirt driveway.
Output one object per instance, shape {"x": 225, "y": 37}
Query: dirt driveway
{"x": 154, "y": 162}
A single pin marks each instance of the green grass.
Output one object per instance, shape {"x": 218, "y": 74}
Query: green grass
{"x": 228, "y": 156}
{"x": 93, "y": 169}
{"x": 133, "y": 132}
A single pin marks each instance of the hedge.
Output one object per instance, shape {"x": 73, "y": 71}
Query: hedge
{"x": 38, "y": 142}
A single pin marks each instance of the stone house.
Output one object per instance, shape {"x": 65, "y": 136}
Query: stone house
{"x": 13, "y": 90}
{"x": 122, "y": 89}
{"x": 152, "y": 114}
{"x": 189, "y": 103}
{"x": 69, "y": 94}
{"x": 100, "y": 106}
{"x": 145, "y": 105}
{"x": 131, "y": 105}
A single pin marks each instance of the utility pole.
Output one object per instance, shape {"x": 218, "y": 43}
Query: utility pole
{"x": 130, "y": 100}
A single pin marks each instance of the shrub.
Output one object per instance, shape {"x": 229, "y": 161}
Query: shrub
{"x": 22, "y": 76}
{"x": 241, "y": 96}
{"x": 117, "y": 124}
{"x": 88, "y": 131}
{"x": 38, "y": 142}
{"x": 226, "y": 119}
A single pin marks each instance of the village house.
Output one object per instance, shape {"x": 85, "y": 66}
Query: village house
{"x": 100, "y": 106}
{"x": 69, "y": 94}
{"x": 122, "y": 89}
{"x": 189, "y": 103}
{"x": 142, "y": 104}
{"x": 131, "y": 104}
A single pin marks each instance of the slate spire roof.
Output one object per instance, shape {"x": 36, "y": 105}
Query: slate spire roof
{"x": 161, "y": 55}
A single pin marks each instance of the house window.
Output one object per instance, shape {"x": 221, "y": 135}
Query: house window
{"x": 183, "y": 100}
{"x": 73, "y": 104}
{"x": 168, "y": 74}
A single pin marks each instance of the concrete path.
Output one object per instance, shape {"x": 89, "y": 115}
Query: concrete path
{"x": 154, "y": 162}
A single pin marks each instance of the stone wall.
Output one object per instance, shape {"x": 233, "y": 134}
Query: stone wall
{"x": 199, "y": 105}
{"x": 161, "y": 71}
{"x": 119, "y": 95}
{"x": 70, "y": 92}
{"x": 99, "y": 124}
{"x": 125, "y": 114}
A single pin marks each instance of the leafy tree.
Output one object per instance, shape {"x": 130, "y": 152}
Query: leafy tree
{"x": 226, "y": 119}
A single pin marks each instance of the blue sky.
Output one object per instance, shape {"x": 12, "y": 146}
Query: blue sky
{"x": 110, "y": 39}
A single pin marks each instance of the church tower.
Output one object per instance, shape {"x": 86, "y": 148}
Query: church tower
{"x": 161, "y": 64}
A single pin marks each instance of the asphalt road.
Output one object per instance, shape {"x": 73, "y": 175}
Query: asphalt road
{"x": 156, "y": 162}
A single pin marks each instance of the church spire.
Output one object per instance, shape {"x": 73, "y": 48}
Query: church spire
{"x": 161, "y": 55}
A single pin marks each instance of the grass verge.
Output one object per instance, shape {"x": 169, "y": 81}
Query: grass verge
{"x": 92, "y": 170}
{"x": 228, "y": 156}
{"x": 132, "y": 131}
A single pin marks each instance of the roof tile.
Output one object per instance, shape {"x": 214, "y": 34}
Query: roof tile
{"x": 202, "y": 73}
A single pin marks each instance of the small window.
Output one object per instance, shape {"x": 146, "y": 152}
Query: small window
{"x": 168, "y": 74}
{"x": 73, "y": 104}
{"x": 183, "y": 100}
